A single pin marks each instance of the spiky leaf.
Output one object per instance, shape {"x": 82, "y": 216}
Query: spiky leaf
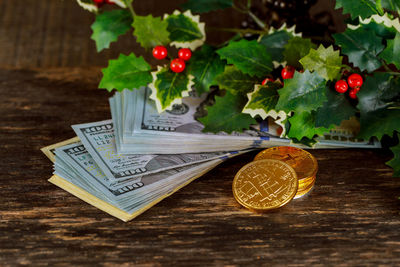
{"x": 126, "y": 72}
{"x": 325, "y": 61}
{"x": 169, "y": 87}
{"x": 377, "y": 116}
{"x": 248, "y": 56}
{"x": 303, "y": 125}
{"x": 235, "y": 81}
{"x": 362, "y": 47}
{"x": 304, "y": 92}
{"x": 362, "y": 8}
{"x": 334, "y": 111}
{"x": 150, "y": 31}
{"x": 109, "y": 25}
{"x": 226, "y": 115}
{"x": 391, "y": 54}
{"x": 207, "y": 5}
{"x": 205, "y": 65}
{"x": 395, "y": 162}
{"x": 295, "y": 49}
{"x": 275, "y": 43}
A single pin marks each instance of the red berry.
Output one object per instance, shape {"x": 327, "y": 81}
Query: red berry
{"x": 355, "y": 80}
{"x": 287, "y": 72}
{"x": 266, "y": 80}
{"x": 353, "y": 93}
{"x": 110, "y": 2}
{"x": 185, "y": 54}
{"x": 341, "y": 86}
{"x": 160, "y": 52}
{"x": 177, "y": 65}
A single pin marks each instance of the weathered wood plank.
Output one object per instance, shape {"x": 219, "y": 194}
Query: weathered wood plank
{"x": 351, "y": 217}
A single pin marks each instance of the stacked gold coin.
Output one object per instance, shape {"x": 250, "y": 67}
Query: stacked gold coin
{"x": 265, "y": 184}
{"x": 301, "y": 161}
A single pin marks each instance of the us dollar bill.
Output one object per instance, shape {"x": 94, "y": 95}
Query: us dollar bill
{"x": 99, "y": 140}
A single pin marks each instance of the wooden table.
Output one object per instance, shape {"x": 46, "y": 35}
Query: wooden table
{"x": 46, "y": 84}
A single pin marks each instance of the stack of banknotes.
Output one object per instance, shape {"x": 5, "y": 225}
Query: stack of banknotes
{"x": 128, "y": 164}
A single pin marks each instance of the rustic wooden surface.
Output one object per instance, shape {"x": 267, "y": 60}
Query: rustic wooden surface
{"x": 47, "y": 83}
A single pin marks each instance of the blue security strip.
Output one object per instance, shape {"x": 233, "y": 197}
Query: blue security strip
{"x": 264, "y": 126}
{"x": 224, "y": 157}
{"x": 256, "y": 143}
{"x": 233, "y": 152}
{"x": 264, "y": 137}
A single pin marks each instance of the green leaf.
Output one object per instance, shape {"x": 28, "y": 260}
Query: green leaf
{"x": 185, "y": 29}
{"x": 248, "y": 56}
{"x": 262, "y": 102}
{"x": 88, "y": 5}
{"x": 325, "y": 61}
{"x": 334, "y": 111}
{"x": 362, "y": 8}
{"x": 207, "y": 5}
{"x": 109, "y": 25}
{"x": 169, "y": 87}
{"x": 235, "y": 81}
{"x": 391, "y": 54}
{"x": 393, "y": 5}
{"x": 377, "y": 118}
{"x": 205, "y": 65}
{"x": 304, "y": 92}
{"x": 275, "y": 43}
{"x": 362, "y": 47}
{"x": 150, "y": 31}
{"x": 295, "y": 49}
{"x": 226, "y": 115}
{"x": 126, "y": 72}
{"x": 395, "y": 162}
{"x": 303, "y": 125}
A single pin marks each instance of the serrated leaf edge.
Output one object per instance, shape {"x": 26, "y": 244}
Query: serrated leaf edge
{"x": 384, "y": 19}
{"x": 89, "y": 7}
{"x": 154, "y": 97}
{"x": 263, "y": 114}
{"x": 196, "y": 43}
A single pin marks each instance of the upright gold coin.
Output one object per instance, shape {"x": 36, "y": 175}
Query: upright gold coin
{"x": 265, "y": 184}
{"x": 301, "y": 161}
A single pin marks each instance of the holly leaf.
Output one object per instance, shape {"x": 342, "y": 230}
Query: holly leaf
{"x": 150, "y": 31}
{"x": 295, "y": 49}
{"x": 334, "y": 111}
{"x": 362, "y": 8}
{"x": 393, "y": 5}
{"x": 383, "y": 26}
{"x": 88, "y": 5}
{"x": 275, "y": 43}
{"x": 226, "y": 115}
{"x": 391, "y": 54}
{"x": 207, "y": 5}
{"x": 205, "y": 65}
{"x": 169, "y": 87}
{"x": 185, "y": 29}
{"x": 235, "y": 81}
{"x": 108, "y": 26}
{"x": 304, "y": 92}
{"x": 395, "y": 162}
{"x": 248, "y": 56}
{"x": 362, "y": 47}
{"x": 262, "y": 102}
{"x": 377, "y": 117}
{"x": 126, "y": 72}
{"x": 302, "y": 125}
{"x": 325, "y": 61}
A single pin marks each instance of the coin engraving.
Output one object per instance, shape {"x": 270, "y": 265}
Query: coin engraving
{"x": 265, "y": 184}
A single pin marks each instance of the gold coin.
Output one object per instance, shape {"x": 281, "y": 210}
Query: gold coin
{"x": 301, "y": 161}
{"x": 304, "y": 191}
{"x": 265, "y": 184}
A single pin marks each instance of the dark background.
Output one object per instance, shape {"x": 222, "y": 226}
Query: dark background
{"x": 49, "y": 71}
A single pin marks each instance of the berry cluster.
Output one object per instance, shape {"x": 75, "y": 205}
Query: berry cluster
{"x": 178, "y": 64}
{"x": 286, "y": 73}
{"x": 354, "y": 81}
{"x": 100, "y": 3}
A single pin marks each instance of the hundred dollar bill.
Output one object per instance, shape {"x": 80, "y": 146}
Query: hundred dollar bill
{"x": 99, "y": 140}
{"x": 49, "y": 151}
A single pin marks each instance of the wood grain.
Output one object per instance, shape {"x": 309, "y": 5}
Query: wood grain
{"x": 350, "y": 218}
{"x": 48, "y": 81}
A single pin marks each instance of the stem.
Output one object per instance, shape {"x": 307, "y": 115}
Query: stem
{"x": 241, "y": 31}
{"x": 130, "y": 7}
{"x": 246, "y": 10}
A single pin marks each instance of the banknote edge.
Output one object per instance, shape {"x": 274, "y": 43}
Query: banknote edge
{"x": 47, "y": 149}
